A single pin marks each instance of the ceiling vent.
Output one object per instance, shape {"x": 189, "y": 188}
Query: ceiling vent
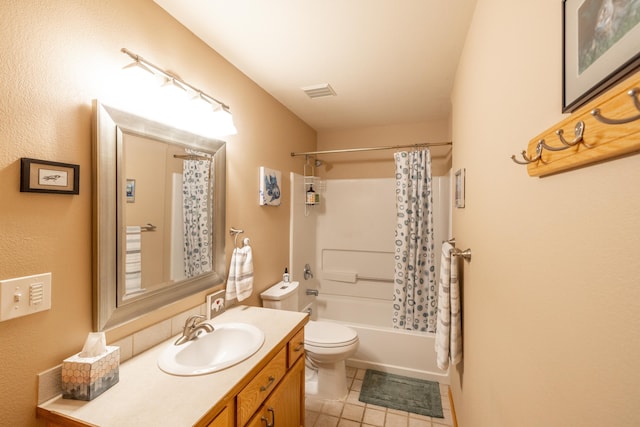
{"x": 319, "y": 91}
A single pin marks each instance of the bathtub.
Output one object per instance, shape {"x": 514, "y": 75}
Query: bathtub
{"x": 382, "y": 348}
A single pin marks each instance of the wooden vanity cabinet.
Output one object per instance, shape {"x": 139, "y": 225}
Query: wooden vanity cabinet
{"x": 272, "y": 396}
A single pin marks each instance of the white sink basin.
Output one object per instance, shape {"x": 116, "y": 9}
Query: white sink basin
{"x": 228, "y": 344}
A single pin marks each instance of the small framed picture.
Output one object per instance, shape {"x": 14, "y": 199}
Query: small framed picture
{"x": 270, "y": 183}
{"x": 459, "y": 190}
{"x": 130, "y": 191}
{"x": 41, "y": 176}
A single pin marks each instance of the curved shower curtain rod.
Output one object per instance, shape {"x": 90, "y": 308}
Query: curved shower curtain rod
{"x": 355, "y": 150}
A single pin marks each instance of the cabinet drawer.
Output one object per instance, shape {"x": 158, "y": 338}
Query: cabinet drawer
{"x": 252, "y": 396}
{"x": 296, "y": 347}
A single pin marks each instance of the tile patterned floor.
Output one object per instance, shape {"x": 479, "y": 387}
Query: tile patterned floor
{"x": 352, "y": 413}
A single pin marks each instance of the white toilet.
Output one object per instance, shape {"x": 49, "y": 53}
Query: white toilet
{"x": 327, "y": 345}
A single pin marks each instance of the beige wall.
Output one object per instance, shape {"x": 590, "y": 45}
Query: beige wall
{"x": 551, "y": 297}
{"x": 56, "y": 58}
{"x": 380, "y": 164}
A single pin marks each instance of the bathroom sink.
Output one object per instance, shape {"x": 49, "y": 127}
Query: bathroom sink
{"x": 228, "y": 344}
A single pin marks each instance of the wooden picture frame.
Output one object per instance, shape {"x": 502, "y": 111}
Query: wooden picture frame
{"x": 42, "y": 176}
{"x": 600, "y": 42}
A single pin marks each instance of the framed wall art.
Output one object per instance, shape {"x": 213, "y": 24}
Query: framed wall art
{"x": 459, "y": 189}
{"x": 270, "y": 184}
{"x": 42, "y": 176}
{"x": 130, "y": 191}
{"x": 600, "y": 47}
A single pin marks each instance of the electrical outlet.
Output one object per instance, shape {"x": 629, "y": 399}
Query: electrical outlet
{"x": 24, "y": 295}
{"x": 215, "y": 304}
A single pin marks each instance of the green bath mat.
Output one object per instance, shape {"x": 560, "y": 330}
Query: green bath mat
{"x": 402, "y": 393}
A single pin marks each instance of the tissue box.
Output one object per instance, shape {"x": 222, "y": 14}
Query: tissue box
{"x": 85, "y": 378}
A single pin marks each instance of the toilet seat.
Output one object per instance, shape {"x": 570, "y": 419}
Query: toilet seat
{"x": 328, "y": 335}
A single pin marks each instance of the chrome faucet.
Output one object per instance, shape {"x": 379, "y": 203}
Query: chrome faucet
{"x": 313, "y": 292}
{"x": 192, "y": 328}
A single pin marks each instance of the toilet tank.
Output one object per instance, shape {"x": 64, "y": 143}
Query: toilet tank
{"x": 282, "y": 296}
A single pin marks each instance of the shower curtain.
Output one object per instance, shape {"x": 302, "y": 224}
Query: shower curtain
{"x": 415, "y": 292}
{"x": 195, "y": 197}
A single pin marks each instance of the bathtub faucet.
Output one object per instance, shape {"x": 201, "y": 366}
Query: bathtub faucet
{"x": 313, "y": 292}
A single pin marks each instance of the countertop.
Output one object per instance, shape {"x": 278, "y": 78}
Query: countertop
{"x": 147, "y": 396}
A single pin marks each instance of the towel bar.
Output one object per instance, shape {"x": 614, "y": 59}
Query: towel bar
{"x": 466, "y": 254}
{"x": 148, "y": 227}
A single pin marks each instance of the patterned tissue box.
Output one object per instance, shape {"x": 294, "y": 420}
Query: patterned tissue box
{"x": 85, "y": 378}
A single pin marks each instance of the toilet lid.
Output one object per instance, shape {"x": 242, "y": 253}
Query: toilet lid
{"x": 328, "y": 333}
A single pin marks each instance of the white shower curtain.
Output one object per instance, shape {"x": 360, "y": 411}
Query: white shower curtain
{"x": 195, "y": 197}
{"x": 415, "y": 289}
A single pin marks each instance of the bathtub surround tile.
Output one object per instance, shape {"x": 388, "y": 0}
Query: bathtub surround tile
{"x": 402, "y": 393}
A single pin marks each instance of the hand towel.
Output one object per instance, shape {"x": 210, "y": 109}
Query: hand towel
{"x": 449, "y": 329}
{"x": 240, "y": 280}
{"x": 133, "y": 260}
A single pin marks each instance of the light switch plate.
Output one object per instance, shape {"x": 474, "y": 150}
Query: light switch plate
{"x": 24, "y": 295}
{"x": 215, "y": 304}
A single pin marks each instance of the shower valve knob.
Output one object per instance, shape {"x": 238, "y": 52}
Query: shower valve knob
{"x": 308, "y": 274}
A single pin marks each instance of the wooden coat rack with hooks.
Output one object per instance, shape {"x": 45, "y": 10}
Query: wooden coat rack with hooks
{"x": 605, "y": 128}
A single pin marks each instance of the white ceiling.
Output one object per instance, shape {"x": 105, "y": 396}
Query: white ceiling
{"x": 389, "y": 61}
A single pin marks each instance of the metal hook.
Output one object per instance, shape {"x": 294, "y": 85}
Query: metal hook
{"x": 633, "y": 93}
{"x": 579, "y": 132}
{"x": 528, "y": 160}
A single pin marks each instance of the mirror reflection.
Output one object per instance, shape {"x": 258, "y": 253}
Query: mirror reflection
{"x": 166, "y": 214}
{"x": 159, "y": 215}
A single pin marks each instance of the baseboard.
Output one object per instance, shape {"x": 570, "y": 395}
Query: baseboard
{"x": 453, "y": 409}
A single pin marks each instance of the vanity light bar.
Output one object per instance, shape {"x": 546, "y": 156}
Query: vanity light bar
{"x": 172, "y": 79}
